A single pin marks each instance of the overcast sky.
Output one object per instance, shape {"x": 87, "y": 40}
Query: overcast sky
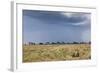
{"x": 51, "y": 26}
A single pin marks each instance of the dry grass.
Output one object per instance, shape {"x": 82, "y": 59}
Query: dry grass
{"x": 38, "y": 53}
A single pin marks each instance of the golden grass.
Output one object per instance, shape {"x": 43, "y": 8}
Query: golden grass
{"x": 38, "y": 53}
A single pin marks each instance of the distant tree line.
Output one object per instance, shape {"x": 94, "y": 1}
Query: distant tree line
{"x": 55, "y": 43}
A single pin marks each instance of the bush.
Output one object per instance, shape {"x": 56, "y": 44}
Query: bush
{"x": 75, "y": 54}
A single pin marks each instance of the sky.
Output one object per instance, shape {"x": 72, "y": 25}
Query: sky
{"x": 53, "y": 26}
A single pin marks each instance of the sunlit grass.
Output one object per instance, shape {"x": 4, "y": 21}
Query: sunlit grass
{"x": 38, "y": 53}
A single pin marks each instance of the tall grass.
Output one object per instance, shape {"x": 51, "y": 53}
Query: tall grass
{"x": 38, "y": 53}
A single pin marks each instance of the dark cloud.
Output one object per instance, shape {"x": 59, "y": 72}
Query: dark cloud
{"x": 53, "y": 17}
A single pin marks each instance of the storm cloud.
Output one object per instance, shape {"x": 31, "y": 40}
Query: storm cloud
{"x": 53, "y": 26}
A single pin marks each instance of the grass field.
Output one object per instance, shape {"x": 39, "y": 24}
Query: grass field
{"x": 38, "y": 53}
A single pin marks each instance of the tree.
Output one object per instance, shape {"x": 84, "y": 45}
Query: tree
{"x": 89, "y": 42}
{"x": 82, "y": 42}
{"x": 47, "y": 43}
{"x": 68, "y": 43}
{"x": 75, "y": 43}
{"x": 40, "y": 43}
{"x": 31, "y": 43}
{"x": 63, "y": 43}
{"x": 58, "y": 43}
{"x": 53, "y": 43}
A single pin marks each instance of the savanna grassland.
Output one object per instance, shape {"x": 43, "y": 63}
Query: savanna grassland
{"x": 38, "y": 53}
